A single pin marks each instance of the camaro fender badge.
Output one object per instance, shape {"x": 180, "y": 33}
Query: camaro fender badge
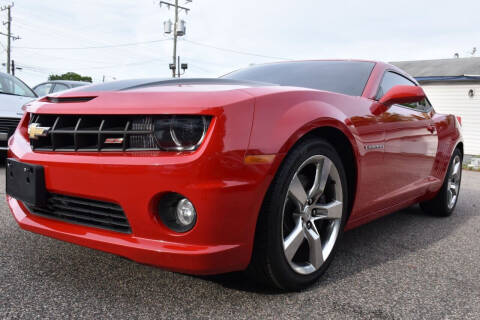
{"x": 34, "y": 131}
{"x": 114, "y": 140}
{"x": 374, "y": 146}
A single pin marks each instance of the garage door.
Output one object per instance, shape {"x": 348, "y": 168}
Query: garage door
{"x": 455, "y": 99}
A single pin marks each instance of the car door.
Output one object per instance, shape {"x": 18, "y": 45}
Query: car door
{"x": 411, "y": 144}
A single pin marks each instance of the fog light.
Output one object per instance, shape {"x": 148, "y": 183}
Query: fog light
{"x": 185, "y": 212}
{"x": 177, "y": 212}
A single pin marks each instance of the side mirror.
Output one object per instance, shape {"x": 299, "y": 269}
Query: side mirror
{"x": 398, "y": 95}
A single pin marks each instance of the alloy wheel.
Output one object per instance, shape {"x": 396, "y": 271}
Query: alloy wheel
{"x": 312, "y": 214}
{"x": 453, "y": 186}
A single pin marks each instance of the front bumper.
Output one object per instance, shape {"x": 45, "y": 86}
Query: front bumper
{"x": 176, "y": 256}
{"x": 227, "y": 195}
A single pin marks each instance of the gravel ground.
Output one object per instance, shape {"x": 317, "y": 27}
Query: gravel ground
{"x": 404, "y": 266}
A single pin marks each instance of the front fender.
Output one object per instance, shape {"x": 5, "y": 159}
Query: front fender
{"x": 281, "y": 119}
{"x": 449, "y": 137}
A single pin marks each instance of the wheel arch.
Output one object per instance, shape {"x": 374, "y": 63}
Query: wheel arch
{"x": 459, "y": 146}
{"x": 341, "y": 139}
{"x": 346, "y": 151}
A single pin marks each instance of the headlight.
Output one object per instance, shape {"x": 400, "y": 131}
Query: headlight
{"x": 180, "y": 132}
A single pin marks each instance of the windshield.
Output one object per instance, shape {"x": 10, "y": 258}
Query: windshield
{"x": 13, "y": 86}
{"x": 347, "y": 77}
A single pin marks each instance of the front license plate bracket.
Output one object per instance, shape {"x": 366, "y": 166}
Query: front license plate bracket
{"x": 26, "y": 182}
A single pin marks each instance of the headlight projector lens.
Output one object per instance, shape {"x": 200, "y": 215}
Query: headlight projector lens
{"x": 187, "y": 131}
{"x": 180, "y": 132}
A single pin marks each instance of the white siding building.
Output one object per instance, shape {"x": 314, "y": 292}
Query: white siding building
{"x": 453, "y": 86}
{"x": 454, "y": 98}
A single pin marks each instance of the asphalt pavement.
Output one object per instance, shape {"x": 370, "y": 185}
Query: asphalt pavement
{"x": 407, "y": 265}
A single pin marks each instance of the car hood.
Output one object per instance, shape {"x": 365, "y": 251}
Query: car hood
{"x": 11, "y": 106}
{"x": 150, "y": 96}
{"x": 159, "y": 84}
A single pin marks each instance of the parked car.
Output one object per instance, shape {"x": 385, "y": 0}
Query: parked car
{"x": 53, "y": 86}
{"x": 13, "y": 95}
{"x": 262, "y": 169}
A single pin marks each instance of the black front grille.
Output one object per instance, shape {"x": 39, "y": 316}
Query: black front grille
{"x": 94, "y": 133}
{"x": 93, "y": 213}
{"x": 8, "y": 126}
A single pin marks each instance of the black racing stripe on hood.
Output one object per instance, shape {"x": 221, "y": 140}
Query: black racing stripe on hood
{"x": 123, "y": 85}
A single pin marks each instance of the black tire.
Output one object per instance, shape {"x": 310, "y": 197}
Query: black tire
{"x": 439, "y": 206}
{"x": 269, "y": 264}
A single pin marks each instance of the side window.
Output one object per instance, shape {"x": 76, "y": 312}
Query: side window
{"x": 43, "y": 89}
{"x": 422, "y": 106}
{"x": 76, "y": 85}
{"x": 392, "y": 79}
{"x": 59, "y": 87}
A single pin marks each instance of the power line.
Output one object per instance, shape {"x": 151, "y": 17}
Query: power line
{"x": 207, "y": 62}
{"x": 175, "y": 5}
{"x": 235, "y": 51}
{"x": 69, "y": 57}
{"x": 60, "y": 31}
{"x": 121, "y": 65}
{"x": 45, "y": 32}
{"x": 131, "y": 44}
{"x": 66, "y": 33}
{"x": 195, "y": 66}
{"x": 55, "y": 69}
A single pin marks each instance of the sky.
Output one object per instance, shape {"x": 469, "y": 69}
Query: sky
{"x": 121, "y": 39}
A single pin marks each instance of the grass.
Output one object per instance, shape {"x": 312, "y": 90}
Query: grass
{"x": 465, "y": 167}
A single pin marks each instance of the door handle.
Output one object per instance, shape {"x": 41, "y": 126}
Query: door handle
{"x": 431, "y": 128}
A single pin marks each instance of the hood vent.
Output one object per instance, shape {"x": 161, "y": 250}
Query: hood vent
{"x": 66, "y": 99}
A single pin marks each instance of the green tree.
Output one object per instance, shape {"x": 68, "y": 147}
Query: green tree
{"x": 69, "y": 76}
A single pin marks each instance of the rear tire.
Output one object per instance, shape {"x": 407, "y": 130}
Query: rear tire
{"x": 446, "y": 199}
{"x": 302, "y": 218}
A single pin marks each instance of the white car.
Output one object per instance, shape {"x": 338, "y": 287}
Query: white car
{"x": 13, "y": 95}
{"x": 45, "y": 88}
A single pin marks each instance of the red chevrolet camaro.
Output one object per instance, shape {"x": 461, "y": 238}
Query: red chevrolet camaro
{"x": 260, "y": 170}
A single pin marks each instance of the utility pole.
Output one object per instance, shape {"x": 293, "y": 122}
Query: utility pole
{"x": 178, "y": 31}
{"x": 175, "y": 25}
{"x": 9, "y": 33}
{"x": 13, "y": 67}
{"x": 178, "y": 64}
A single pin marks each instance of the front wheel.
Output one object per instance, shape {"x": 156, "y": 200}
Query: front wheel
{"x": 446, "y": 199}
{"x": 302, "y": 217}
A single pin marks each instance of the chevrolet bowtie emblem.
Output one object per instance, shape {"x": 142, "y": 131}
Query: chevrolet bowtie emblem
{"x": 34, "y": 131}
